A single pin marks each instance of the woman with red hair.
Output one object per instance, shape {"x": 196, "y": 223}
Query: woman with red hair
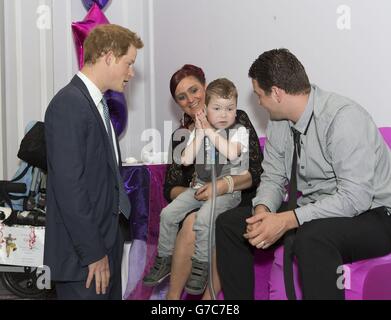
{"x": 187, "y": 87}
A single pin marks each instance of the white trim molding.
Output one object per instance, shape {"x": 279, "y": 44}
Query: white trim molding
{"x": 151, "y": 61}
{"x": 69, "y": 41}
{"x": 3, "y": 163}
{"x": 19, "y": 70}
{"x": 46, "y": 58}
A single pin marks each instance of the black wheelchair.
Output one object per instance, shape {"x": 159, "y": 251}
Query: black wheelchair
{"x": 23, "y": 203}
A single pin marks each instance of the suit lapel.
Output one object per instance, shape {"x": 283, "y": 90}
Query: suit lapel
{"x": 77, "y": 82}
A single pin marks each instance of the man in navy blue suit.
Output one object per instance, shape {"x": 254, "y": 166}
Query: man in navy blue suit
{"x": 85, "y": 194}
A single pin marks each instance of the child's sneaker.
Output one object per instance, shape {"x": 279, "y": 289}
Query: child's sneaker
{"x": 198, "y": 279}
{"x": 160, "y": 270}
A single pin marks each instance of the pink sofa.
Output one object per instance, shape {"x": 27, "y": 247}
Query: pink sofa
{"x": 367, "y": 279}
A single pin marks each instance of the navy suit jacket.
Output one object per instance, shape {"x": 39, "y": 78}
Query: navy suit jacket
{"x": 82, "y": 188}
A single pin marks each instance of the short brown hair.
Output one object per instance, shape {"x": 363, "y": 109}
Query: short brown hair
{"x": 280, "y": 68}
{"x": 222, "y": 88}
{"x": 109, "y": 37}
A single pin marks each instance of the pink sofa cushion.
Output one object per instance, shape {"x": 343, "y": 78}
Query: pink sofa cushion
{"x": 365, "y": 279}
{"x": 386, "y": 133}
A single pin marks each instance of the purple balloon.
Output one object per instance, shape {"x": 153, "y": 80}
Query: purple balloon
{"x": 118, "y": 110}
{"x": 115, "y": 100}
{"x": 89, "y": 3}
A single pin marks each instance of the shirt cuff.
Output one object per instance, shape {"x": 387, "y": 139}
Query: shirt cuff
{"x": 303, "y": 214}
{"x": 266, "y": 203}
{"x": 294, "y": 211}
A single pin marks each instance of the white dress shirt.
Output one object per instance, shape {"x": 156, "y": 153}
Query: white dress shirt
{"x": 344, "y": 168}
{"x": 97, "y": 96}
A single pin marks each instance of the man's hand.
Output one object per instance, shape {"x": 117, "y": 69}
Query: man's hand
{"x": 205, "y": 192}
{"x": 101, "y": 271}
{"x": 264, "y": 229}
{"x": 260, "y": 208}
{"x": 257, "y": 210}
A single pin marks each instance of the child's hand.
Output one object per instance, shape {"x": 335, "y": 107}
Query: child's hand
{"x": 204, "y": 120}
{"x": 197, "y": 123}
{"x": 198, "y": 127}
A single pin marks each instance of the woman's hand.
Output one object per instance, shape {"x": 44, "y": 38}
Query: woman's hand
{"x": 205, "y": 192}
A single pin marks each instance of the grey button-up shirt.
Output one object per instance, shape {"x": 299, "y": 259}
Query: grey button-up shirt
{"x": 345, "y": 165}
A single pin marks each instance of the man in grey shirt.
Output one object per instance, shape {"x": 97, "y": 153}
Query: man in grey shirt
{"x": 343, "y": 173}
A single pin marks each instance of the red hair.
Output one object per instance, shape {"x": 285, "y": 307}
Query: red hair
{"x": 188, "y": 70}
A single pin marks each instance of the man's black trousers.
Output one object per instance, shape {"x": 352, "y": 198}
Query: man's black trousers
{"x": 321, "y": 246}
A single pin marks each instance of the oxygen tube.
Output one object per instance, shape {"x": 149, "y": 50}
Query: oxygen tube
{"x": 212, "y": 163}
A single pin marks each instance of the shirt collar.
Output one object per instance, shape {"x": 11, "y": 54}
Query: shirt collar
{"x": 302, "y": 124}
{"x": 93, "y": 90}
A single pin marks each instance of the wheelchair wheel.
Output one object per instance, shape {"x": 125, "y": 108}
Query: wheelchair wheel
{"x": 24, "y": 284}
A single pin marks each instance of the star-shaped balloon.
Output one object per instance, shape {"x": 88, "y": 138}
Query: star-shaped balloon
{"x": 89, "y": 3}
{"x": 81, "y": 29}
{"x": 115, "y": 100}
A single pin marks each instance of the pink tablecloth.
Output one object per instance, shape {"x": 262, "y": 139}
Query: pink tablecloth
{"x": 144, "y": 185}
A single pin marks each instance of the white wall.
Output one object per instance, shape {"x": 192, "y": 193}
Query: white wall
{"x": 2, "y": 111}
{"x": 221, "y": 36}
{"x": 225, "y": 36}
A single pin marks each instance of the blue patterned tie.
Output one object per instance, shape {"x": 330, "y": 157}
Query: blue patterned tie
{"x": 124, "y": 205}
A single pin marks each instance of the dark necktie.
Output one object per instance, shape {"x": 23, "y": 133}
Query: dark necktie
{"x": 292, "y": 200}
{"x": 124, "y": 205}
{"x": 289, "y": 237}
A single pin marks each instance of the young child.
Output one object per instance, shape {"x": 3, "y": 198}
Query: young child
{"x": 216, "y": 138}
